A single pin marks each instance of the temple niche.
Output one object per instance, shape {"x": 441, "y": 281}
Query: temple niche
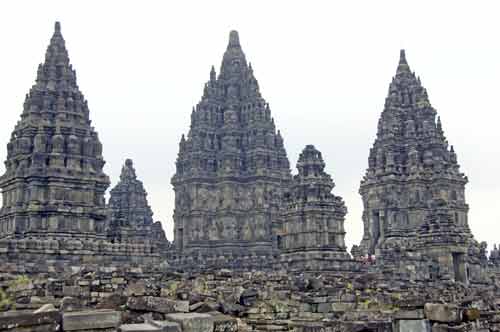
{"x": 409, "y": 166}
{"x": 231, "y": 171}
{"x": 313, "y": 232}
{"x": 54, "y": 182}
{"x": 131, "y": 217}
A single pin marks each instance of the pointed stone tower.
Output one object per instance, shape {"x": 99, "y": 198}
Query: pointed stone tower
{"x": 313, "y": 224}
{"x": 131, "y": 219}
{"x": 409, "y": 165}
{"x": 231, "y": 171}
{"x": 54, "y": 182}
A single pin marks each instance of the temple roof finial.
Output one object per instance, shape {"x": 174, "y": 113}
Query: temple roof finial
{"x": 402, "y": 57}
{"x": 57, "y": 27}
{"x": 234, "y": 39}
{"x": 403, "y": 64}
{"x": 128, "y": 171}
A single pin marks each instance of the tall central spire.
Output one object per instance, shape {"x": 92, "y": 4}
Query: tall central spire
{"x": 235, "y": 161}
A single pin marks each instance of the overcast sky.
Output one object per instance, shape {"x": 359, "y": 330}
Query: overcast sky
{"x": 323, "y": 66}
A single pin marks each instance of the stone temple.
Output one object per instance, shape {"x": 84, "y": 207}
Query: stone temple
{"x": 255, "y": 247}
{"x": 232, "y": 170}
{"x": 53, "y": 187}
{"x": 312, "y": 237}
{"x": 413, "y": 190}
{"x": 131, "y": 218}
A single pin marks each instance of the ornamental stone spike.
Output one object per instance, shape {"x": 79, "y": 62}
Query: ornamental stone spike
{"x": 234, "y": 40}
{"x": 403, "y": 64}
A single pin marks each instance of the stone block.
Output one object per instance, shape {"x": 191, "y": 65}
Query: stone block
{"x": 144, "y": 327}
{"x": 157, "y": 304}
{"x": 325, "y": 307}
{"x": 16, "y": 320}
{"x": 413, "y": 325}
{"x": 45, "y": 308}
{"x": 167, "y": 326}
{"x": 70, "y": 304}
{"x": 442, "y": 312}
{"x": 471, "y": 314}
{"x": 135, "y": 289}
{"x": 224, "y": 323}
{"x": 193, "y": 322}
{"x": 92, "y": 319}
{"x": 409, "y": 314}
{"x": 343, "y": 306}
{"x": 73, "y": 291}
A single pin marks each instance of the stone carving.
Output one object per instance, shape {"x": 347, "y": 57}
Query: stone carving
{"x": 225, "y": 162}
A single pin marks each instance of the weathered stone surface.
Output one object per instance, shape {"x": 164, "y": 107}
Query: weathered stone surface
{"x": 471, "y": 314}
{"x": 70, "y": 304}
{"x": 13, "y": 320}
{"x": 193, "y": 322}
{"x": 87, "y": 320}
{"x": 167, "y": 326}
{"x": 114, "y": 301}
{"x": 409, "y": 314}
{"x": 45, "y": 308}
{"x": 248, "y": 297}
{"x": 416, "y": 325}
{"x": 224, "y": 323}
{"x": 442, "y": 312}
{"x": 157, "y": 304}
{"x": 135, "y": 289}
{"x": 143, "y": 327}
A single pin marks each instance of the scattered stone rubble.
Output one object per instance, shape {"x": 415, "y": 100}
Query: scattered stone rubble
{"x": 133, "y": 299}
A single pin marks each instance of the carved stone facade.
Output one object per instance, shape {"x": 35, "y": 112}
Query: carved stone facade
{"x": 450, "y": 246}
{"x": 54, "y": 183}
{"x": 410, "y": 164}
{"x": 131, "y": 219}
{"x": 231, "y": 170}
{"x": 313, "y": 224}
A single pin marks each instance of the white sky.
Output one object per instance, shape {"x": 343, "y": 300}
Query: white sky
{"x": 324, "y": 67}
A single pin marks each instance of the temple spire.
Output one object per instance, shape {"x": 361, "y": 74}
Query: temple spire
{"x": 128, "y": 171}
{"x": 234, "y": 63}
{"x": 234, "y": 40}
{"x": 403, "y": 66}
